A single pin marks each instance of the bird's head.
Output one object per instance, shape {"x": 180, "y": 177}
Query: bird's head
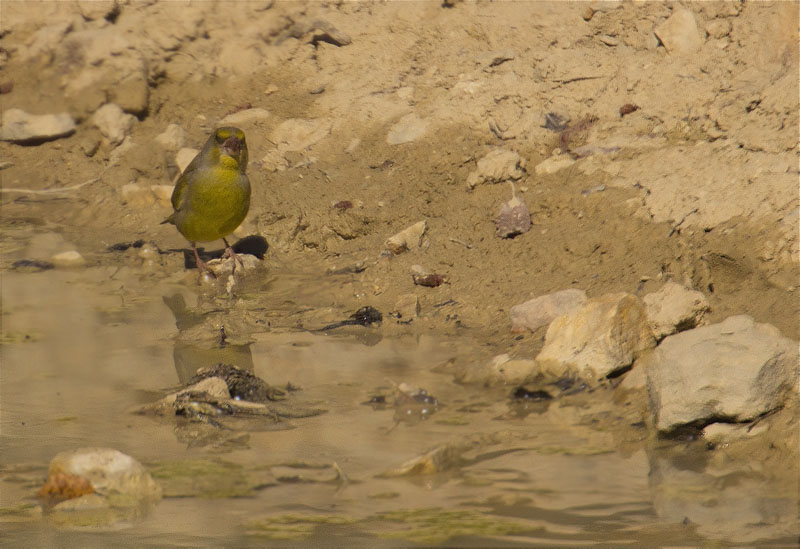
{"x": 231, "y": 147}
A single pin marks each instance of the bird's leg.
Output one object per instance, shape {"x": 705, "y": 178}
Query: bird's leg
{"x": 230, "y": 253}
{"x": 201, "y": 265}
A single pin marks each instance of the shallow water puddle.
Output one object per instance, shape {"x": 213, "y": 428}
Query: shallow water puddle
{"x": 81, "y": 349}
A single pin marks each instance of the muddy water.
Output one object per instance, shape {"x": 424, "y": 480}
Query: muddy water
{"x": 82, "y": 348}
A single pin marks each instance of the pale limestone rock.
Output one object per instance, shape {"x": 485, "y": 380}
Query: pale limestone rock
{"x": 184, "y": 157}
{"x": 247, "y": 116}
{"x": 554, "y": 164}
{"x": 92, "y": 10}
{"x": 163, "y": 193}
{"x": 137, "y": 196}
{"x": 114, "y": 475}
{"x": 605, "y": 335}
{"x": 409, "y": 128}
{"x": 172, "y": 138}
{"x": 113, "y": 123}
{"x": 298, "y": 134}
{"x": 737, "y": 369}
{"x": 408, "y": 238}
{"x": 70, "y": 258}
{"x": 542, "y": 310}
{"x": 675, "y": 308}
{"x": 497, "y": 166}
{"x": 718, "y": 28}
{"x": 679, "y": 33}
{"x": 21, "y": 127}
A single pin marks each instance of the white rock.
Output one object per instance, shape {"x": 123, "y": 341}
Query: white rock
{"x": 542, "y": 310}
{"x": 184, "y": 157}
{"x": 679, "y": 33}
{"x": 298, "y": 134}
{"x": 163, "y": 193}
{"x": 244, "y": 117}
{"x": 137, "y": 196}
{"x": 409, "y": 128}
{"x": 408, "y": 238}
{"x": 274, "y": 161}
{"x": 736, "y": 369}
{"x": 718, "y": 28}
{"x": 112, "y": 474}
{"x": 21, "y": 127}
{"x": 497, "y": 166}
{"x": 70, "y": 258}
{"x": 674, "y": 308}
{"x": 603, "y": 336}
{"x": 172, "y": 138}
{"x": 554, "y": 164}
{"x": 96, "y": 9}
{"x": 113, "y": 123}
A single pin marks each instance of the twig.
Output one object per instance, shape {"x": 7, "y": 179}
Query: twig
{"x": 678, "y": 224}
{"x": 50, "y": 191}
{"x": 457, "y": 241}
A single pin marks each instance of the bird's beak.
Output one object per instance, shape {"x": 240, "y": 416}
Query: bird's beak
{"x": 232, "y": 146}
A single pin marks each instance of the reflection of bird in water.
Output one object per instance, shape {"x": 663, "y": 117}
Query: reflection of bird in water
{"x": 200, "y": 346}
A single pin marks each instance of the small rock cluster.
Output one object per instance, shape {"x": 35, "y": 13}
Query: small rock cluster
{"x": 695, "y": 375}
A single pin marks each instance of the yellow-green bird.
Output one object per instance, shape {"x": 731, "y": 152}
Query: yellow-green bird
{"x": 212, "y": 196}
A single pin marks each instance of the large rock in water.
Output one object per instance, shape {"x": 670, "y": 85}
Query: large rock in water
{"x": 735, "y": 370}
{"x": 605, "y": 335}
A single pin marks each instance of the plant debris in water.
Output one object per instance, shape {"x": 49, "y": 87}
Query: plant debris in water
{"x": 365, "y": 316}
{"x": 32, "y": 265}
{"x": 242, "y": 385}
{"x": 434, "y": 526}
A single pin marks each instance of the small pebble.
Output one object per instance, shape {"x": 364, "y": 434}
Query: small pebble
{"x": 68, "y": 259}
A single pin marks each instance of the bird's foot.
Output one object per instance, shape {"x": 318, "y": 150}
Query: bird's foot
{"x": 201, "y": 265}
{"x": 234, "y": 256}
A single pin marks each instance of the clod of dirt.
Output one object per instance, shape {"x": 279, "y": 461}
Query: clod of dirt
{"x": 627, "y": 108}
{"x": 513, "y": 219}
{"x": 423, "y": 277}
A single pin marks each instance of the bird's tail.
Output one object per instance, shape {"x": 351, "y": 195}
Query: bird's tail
{"x": 170, "y": 219}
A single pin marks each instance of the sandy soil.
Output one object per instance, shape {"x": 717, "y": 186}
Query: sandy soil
{"x": 713, "y": 144}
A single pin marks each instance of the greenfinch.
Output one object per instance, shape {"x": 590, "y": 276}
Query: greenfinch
{"x": 212, "y": 196}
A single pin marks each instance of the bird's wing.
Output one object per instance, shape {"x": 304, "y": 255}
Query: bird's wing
{"x": 179, "y": 193}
